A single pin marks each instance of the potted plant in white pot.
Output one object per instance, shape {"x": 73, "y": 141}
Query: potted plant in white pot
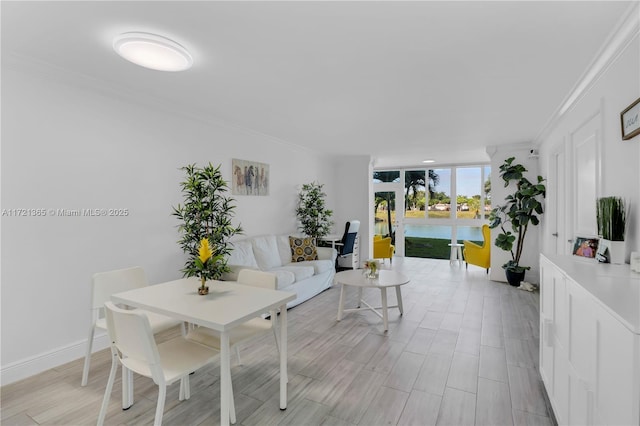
{"x": 314, "y": 217}
{"x": 205, "y": 215}
{"x": 611, "y": 217}
{"x": 521, "y": 210}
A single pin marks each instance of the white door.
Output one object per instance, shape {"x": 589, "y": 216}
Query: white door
{"x": 585, "y": 143}
{"x": 560, "y": 243}
{"x": 389, "y": 213}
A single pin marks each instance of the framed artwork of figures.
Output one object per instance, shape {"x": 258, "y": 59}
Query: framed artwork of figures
{"x": 249, "y": 177}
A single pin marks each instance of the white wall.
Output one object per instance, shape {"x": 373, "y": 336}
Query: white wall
{"x": 530, "y": 252}
{"x": 69, "y": 143}
{"x": 352, "y": 178}
{"x": 617, "y": 88}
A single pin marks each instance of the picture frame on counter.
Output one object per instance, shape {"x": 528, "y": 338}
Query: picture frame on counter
{"x": 585, "y": 247}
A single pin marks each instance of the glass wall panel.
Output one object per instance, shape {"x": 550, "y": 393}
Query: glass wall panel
{"x": 439, "y": 193}
{"x": 414, "y": 195}
{"x": 486, "y": 187}
{"x": 385, "y": 213}
{"x": 386, "y": 176}
{"x": 468, "y": 190}
{"x": 437, "y": 204}
{"x": 427, "y": 241}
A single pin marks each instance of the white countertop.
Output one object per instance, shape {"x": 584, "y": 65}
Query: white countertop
{"x": 616, "y": 287}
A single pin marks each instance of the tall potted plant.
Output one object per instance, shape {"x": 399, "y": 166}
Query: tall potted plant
{"x": 522, "y": 208}
{"x": 611, "y": 218}
{"x": 206, "y": 214}
{"x": 314, "y": 217}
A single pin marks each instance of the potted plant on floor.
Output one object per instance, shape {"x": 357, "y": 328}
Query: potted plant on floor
{"x": 522, "y": 208}
{"x": 205, "y": 215}
{"x": 314, "y": 217}
{"x": 611, "y": 218}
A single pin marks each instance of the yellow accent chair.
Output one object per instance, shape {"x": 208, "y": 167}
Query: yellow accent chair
{"x": 479, "y": 255}
{"x": 382, "y": 248}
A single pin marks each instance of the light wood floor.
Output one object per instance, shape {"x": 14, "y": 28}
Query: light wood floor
{"x": 465, "y": 352}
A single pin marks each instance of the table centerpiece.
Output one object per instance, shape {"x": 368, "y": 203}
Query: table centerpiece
{"x": 371, "y": 268}
{"x": 204, "y": 265}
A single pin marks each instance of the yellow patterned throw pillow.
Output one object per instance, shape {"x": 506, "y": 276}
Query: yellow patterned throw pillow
{"x": 302, "y": 249}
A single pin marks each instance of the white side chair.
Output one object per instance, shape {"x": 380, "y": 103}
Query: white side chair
{"x": 249, "y": 329}
{"x": 104, "y": 284}
{"x": 133, "y": 346}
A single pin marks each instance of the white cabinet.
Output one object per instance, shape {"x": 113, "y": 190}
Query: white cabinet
{"x": 617, "y": 369}
{"x": 582, "y": 351}
{"x": 590, "y": 341}
{"x": 547, "y": 323}
{"x": 554, "y": 332}
{"x": 355, "y": 257}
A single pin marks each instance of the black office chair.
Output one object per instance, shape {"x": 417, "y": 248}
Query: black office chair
{"x": 346, "y": 245}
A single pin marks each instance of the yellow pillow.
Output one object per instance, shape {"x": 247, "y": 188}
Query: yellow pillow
{"x": 303, "y": 249}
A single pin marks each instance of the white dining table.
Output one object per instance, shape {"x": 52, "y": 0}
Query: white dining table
{"x": 227, "y": 305}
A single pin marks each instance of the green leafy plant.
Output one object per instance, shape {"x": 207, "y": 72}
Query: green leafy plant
{"x": 205, "y": 214}
{"x": 314, "y": 217}
{"x": 522, "y": 208}
{"x": 611, "y": 218}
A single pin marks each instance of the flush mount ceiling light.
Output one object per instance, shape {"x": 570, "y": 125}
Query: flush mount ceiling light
{"x": 428, "y": 161}
{"x": 152, "y": 51}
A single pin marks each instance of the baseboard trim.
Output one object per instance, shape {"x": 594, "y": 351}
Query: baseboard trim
{"x": 28, "y": 367}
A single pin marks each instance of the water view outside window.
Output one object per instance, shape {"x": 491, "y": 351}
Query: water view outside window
{"x": 469, "y": 197}
{"x": 432, "y": 241}
{"x": 469, "y": 233}
{"x": 427, "y": 241}
{"x": 385, "y": 213}
{"x": 439, "y": 194}
{"x": 437, "y": 208}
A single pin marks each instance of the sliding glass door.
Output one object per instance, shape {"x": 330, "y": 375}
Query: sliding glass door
{"x": 439, "y": 206}
{"x": 388, "y": 208}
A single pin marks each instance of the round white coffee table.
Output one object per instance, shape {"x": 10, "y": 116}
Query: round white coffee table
{"x": 356, "y": 278}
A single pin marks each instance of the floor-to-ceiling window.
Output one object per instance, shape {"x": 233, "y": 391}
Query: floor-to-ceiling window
{"x": 441, "y": 205}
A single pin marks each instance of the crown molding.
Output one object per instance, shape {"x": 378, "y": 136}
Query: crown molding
{"x": 624, "y": 32}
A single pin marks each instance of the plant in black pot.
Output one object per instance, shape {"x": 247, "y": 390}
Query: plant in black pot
{"x": 522, "y": 208}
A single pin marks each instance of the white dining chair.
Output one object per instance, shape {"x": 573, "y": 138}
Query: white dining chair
{"x": 104, "y": 284}
{"x": 246, "y": 330}
{"x": 133, "y": 346}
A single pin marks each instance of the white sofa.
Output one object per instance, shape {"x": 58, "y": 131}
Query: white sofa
{"x": 272, "y": 253}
